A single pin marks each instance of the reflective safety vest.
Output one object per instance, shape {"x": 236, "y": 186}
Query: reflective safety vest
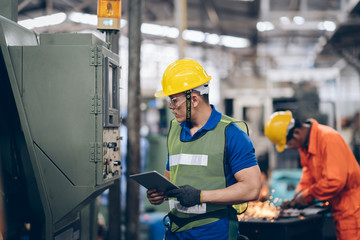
{"x": 200, "y": 163}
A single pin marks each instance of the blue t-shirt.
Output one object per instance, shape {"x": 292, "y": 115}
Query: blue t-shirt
{"x": 239, "y": 154}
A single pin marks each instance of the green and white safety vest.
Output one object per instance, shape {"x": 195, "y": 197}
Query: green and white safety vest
{"x": 200, "y": 163}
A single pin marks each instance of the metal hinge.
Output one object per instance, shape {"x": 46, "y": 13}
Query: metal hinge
{"x": 95, "y": 56}
{"x": 95, "y": 104}
{"x": 95, "y": 152}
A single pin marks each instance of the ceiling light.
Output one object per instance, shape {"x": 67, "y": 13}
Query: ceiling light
{"x": 285, "y": 20}
{"x": 234, "y": 42}
{"x": 298, "y": 20}
{"x": 212, "y": 38}
{"x": 158, "y": 30}
{"x": 152, "y": 29}
{"x": 329, "y": 26}
{"x": 264, "y": 26}
{"x": 43, "y": 21}
{"x": 193, "y": 35}
{"x": 83, "y": 18}
{"x": 171, "y": 32}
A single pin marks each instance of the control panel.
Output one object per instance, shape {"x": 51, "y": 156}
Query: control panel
{"x": 111, "y": 153}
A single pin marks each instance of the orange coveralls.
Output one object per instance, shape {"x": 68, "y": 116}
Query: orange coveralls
{"x": 331, "y": 173}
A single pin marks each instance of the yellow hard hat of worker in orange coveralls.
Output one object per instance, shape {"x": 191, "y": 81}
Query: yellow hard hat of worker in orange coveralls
{"x": 277, "y": 127}
{"x": 182, "y": 75}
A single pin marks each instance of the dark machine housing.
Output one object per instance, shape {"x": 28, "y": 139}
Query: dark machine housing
{"x": 59, "y": 131}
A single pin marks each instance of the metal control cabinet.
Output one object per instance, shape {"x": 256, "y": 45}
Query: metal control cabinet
{"x": 65, "y": 94}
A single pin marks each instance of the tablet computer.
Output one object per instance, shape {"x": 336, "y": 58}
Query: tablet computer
{"x": 153, "y": 180}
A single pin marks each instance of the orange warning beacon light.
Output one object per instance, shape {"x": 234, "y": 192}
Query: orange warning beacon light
{"x": 109, "y": 14}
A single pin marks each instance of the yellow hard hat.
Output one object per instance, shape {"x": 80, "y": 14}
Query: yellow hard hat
{"x": 276, "y": 128}
{"x": 182, "y": 75}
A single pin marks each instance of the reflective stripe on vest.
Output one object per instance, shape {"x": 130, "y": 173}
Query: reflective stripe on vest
{"x": 188, "y": 159}
{"x": 197, "y": 209}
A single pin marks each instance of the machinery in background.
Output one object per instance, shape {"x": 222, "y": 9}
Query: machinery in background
{"x": 59, "y": 131}
{"x": 283, "y": 183}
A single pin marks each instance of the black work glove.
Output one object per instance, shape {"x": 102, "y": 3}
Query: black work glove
{"x": 298, "y": 201}
{"x": 187, "y": 195}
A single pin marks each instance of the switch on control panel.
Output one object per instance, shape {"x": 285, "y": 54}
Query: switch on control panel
{"x": 111, "y": 153}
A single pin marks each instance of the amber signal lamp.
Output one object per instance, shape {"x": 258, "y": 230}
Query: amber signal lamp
{"x": 109, "y": 14}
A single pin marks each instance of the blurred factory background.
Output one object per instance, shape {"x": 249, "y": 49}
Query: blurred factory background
{"x": 263, "y": 56}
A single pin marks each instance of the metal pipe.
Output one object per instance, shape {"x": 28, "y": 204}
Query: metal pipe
{"x": 180, "y": 18}
{"x": 49, "y": 7}
{"x": 23, "y": 5}
{"x": 108, "y": 34}
{"x": 133, "y": 120}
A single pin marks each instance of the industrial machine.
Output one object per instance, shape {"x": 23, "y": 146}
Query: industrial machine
{"x": 59, "y": 131}
{"x": 264, "y": 220}
{"x": 286, "y": 228}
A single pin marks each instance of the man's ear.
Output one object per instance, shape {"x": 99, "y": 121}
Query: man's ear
{"x": 195, "y": 99}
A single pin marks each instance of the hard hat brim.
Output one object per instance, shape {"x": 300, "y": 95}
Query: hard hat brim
{"x": 280, "y": 147}
{"x": 160, "y": 94}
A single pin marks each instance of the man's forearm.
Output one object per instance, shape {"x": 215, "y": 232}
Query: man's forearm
{"x": 235, "y": 194}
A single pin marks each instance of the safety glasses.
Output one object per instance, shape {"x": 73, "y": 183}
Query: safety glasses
{"x": 176, "y": 102}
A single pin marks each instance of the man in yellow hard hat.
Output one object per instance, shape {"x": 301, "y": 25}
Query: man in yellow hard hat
{"x": 210, "y": 158}
{"x": 330, "y": 170}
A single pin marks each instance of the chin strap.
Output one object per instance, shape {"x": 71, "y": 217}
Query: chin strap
{"x": 188, "y": 108}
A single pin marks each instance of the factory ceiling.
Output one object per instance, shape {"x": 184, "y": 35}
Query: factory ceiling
{"x": 273, "y": 27}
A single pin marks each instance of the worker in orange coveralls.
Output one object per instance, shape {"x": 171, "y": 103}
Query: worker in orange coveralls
{"x": 330, "y": 170}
